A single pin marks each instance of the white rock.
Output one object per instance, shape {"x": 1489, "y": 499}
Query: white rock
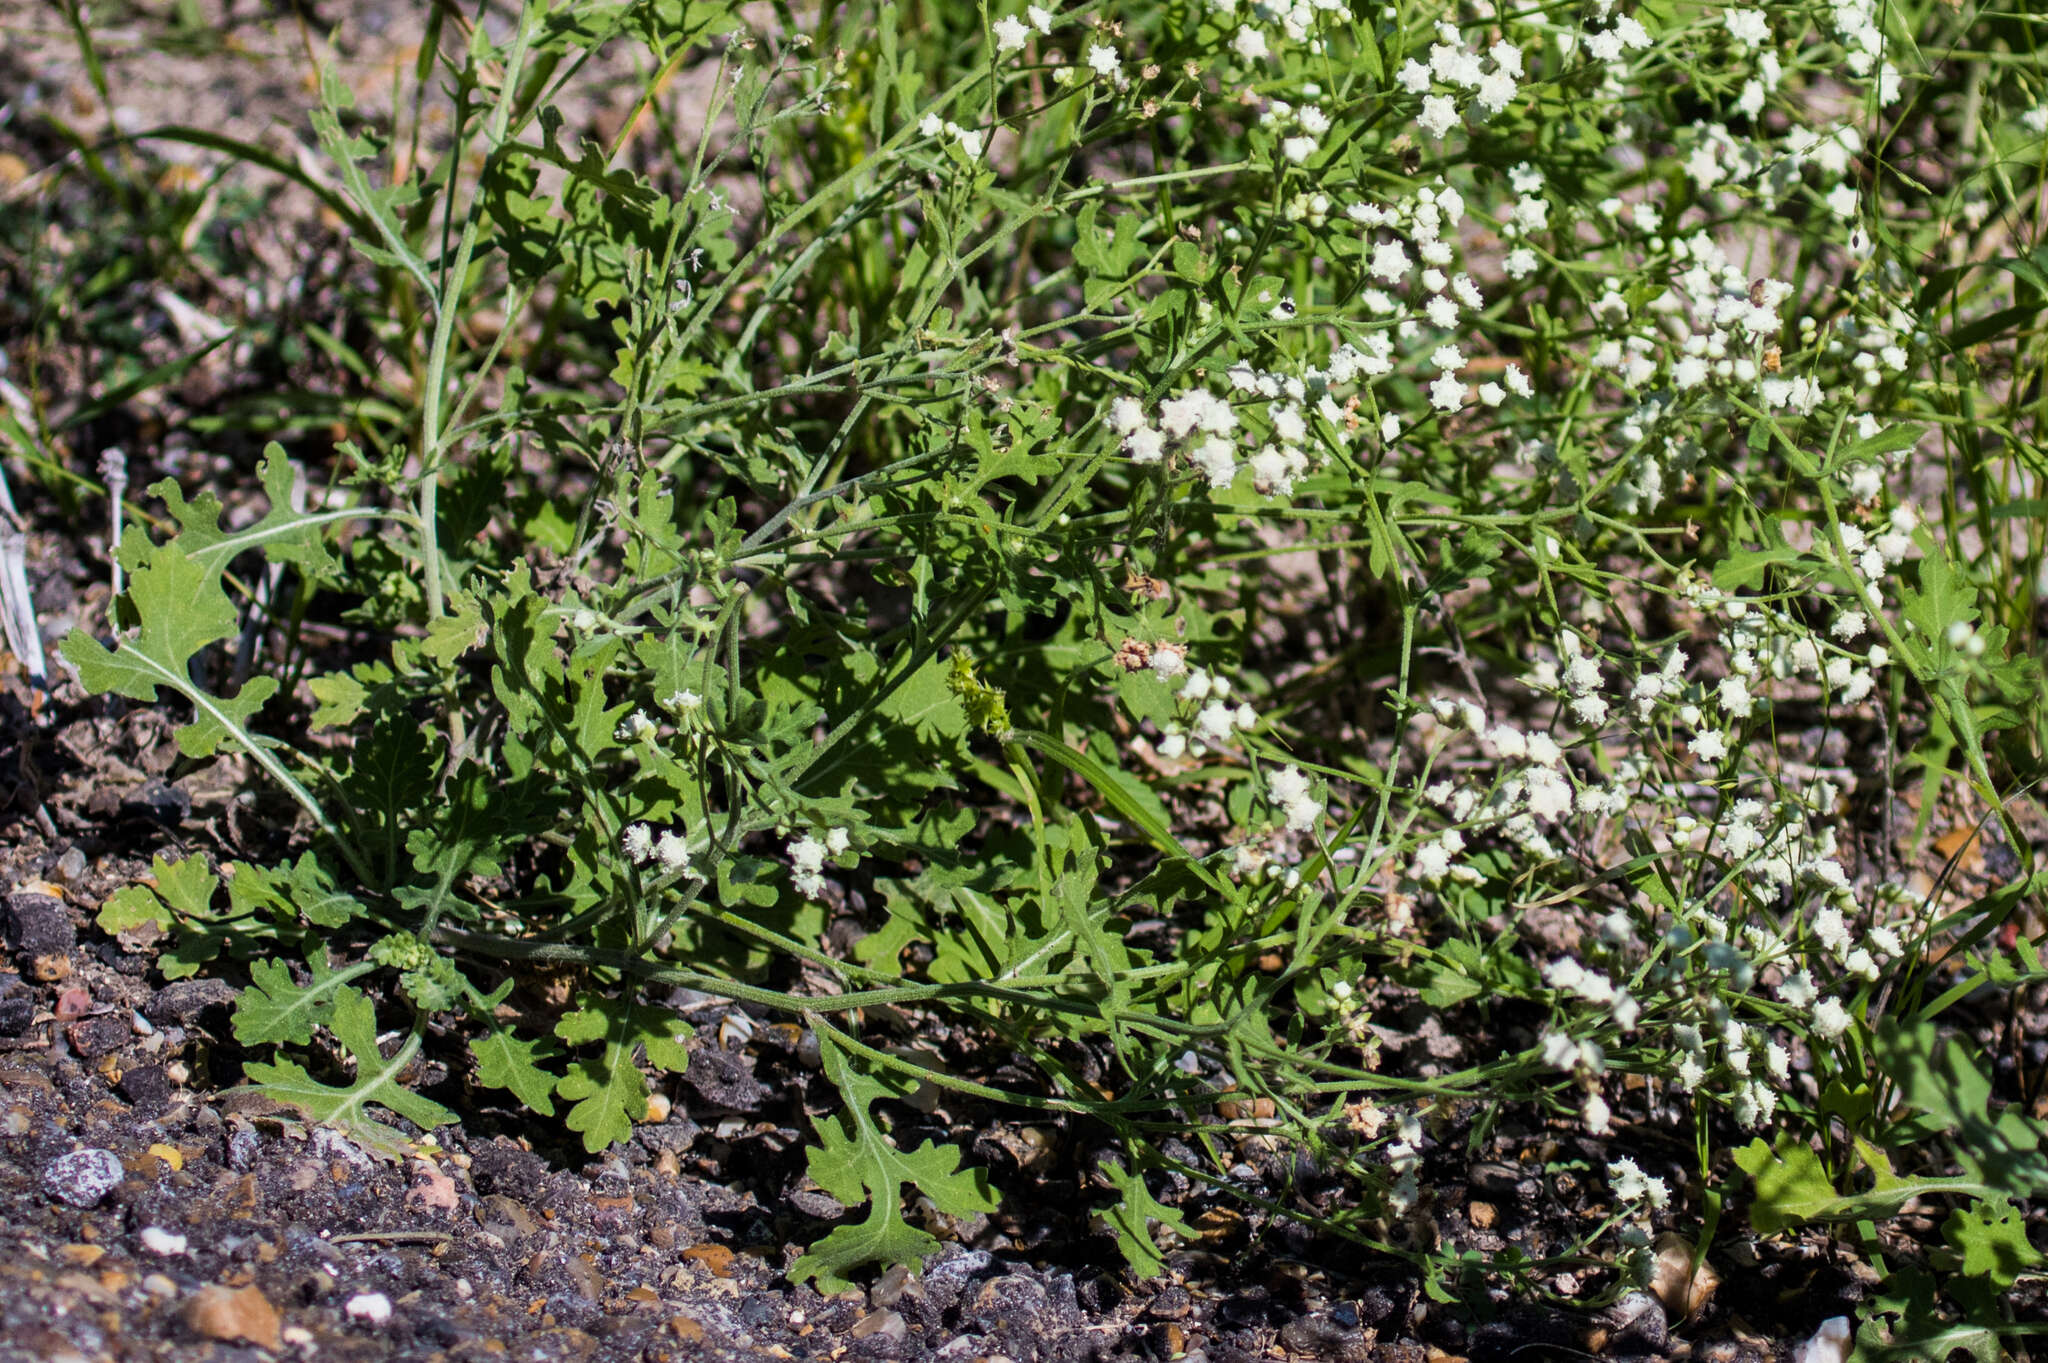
{"x": 157, "y": 1240}
{"x": 1830, "y": 1343}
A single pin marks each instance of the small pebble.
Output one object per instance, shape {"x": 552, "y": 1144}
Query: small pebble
{"x": 1830, "y": 1343}
{"x": 157, "y": 1240}
{"x": 83, "y": 1177}
{"x": 373, "y": 1307}
{"x": 882, "y": 1324}
{"x": 230, "y": 1314}
{"x": 70, "y": 868}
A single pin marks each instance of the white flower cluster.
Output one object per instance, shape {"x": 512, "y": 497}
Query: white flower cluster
{"x": 1011, "y": 33}
{"x": 1212, "y": 718}
{"x": 1862, "y": 38}
{"x": 807, "y": 855}
{"x": 1305, "y": 125}
{"x": 1628, "y": 34}
{"x": 641, "y": 846}
{"x": 1195, "y": 420}
{"x": 1463, "y": 72}
{"x": 1444, "y": 299}
{"x": 970, "y": 139}
{"x": 1568, "y": 976}
{"x": 1782, "y": 849}
{"x": 1632, "y": 1185}
{"x": 1288, "y": 790}
{"x": 1296, "y": 21}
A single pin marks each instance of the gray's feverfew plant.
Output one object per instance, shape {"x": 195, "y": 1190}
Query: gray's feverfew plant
{"x": 1404, "y": 495}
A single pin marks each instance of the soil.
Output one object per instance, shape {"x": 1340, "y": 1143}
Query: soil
{"x": 151, "y": 1210}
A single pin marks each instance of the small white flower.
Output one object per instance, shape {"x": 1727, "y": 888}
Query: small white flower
{"x": 1709, "y": 746}
{"x": 672, "y": 850}
{"x": 1749, "y": 27}
{"x": 1631, "y": 1184}
{"x": 1011, "y": 34}
{"x": 1216, "y": 458}
{"x": 1439, "y": 113}
{"x": 1250, "y": 44}
{"x": 807, "y": 862}
{"x": 1214, "y": 722}
{"x": 1040, "y": 17}
{"x": 1126, "y": 414}
{"x": 1390, "y": 262}
{"x": 1145, "y": 446}
{"x": 637, "y": 842}
{"x": 1830, "y": 1018}
{"x": 1447, "y": 394}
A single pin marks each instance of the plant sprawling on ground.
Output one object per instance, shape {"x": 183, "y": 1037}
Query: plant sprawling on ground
{"x": 1185, "y": 523}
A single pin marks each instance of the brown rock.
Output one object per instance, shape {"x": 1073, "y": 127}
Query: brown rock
{"x": 715, "y": 1257}
{"x": 886, "y": 1324}
{"x": 1683, "y": 1287}
{"x": 431, "y": 1188}
{"x": 505, "y": 1218}
{"x": 235, "y": 1314}
{"x": 581, "y": 1270}
{"x": 1481, "y": 1214}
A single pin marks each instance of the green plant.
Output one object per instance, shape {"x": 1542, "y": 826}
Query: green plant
{"x": 1327, "y": 485}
